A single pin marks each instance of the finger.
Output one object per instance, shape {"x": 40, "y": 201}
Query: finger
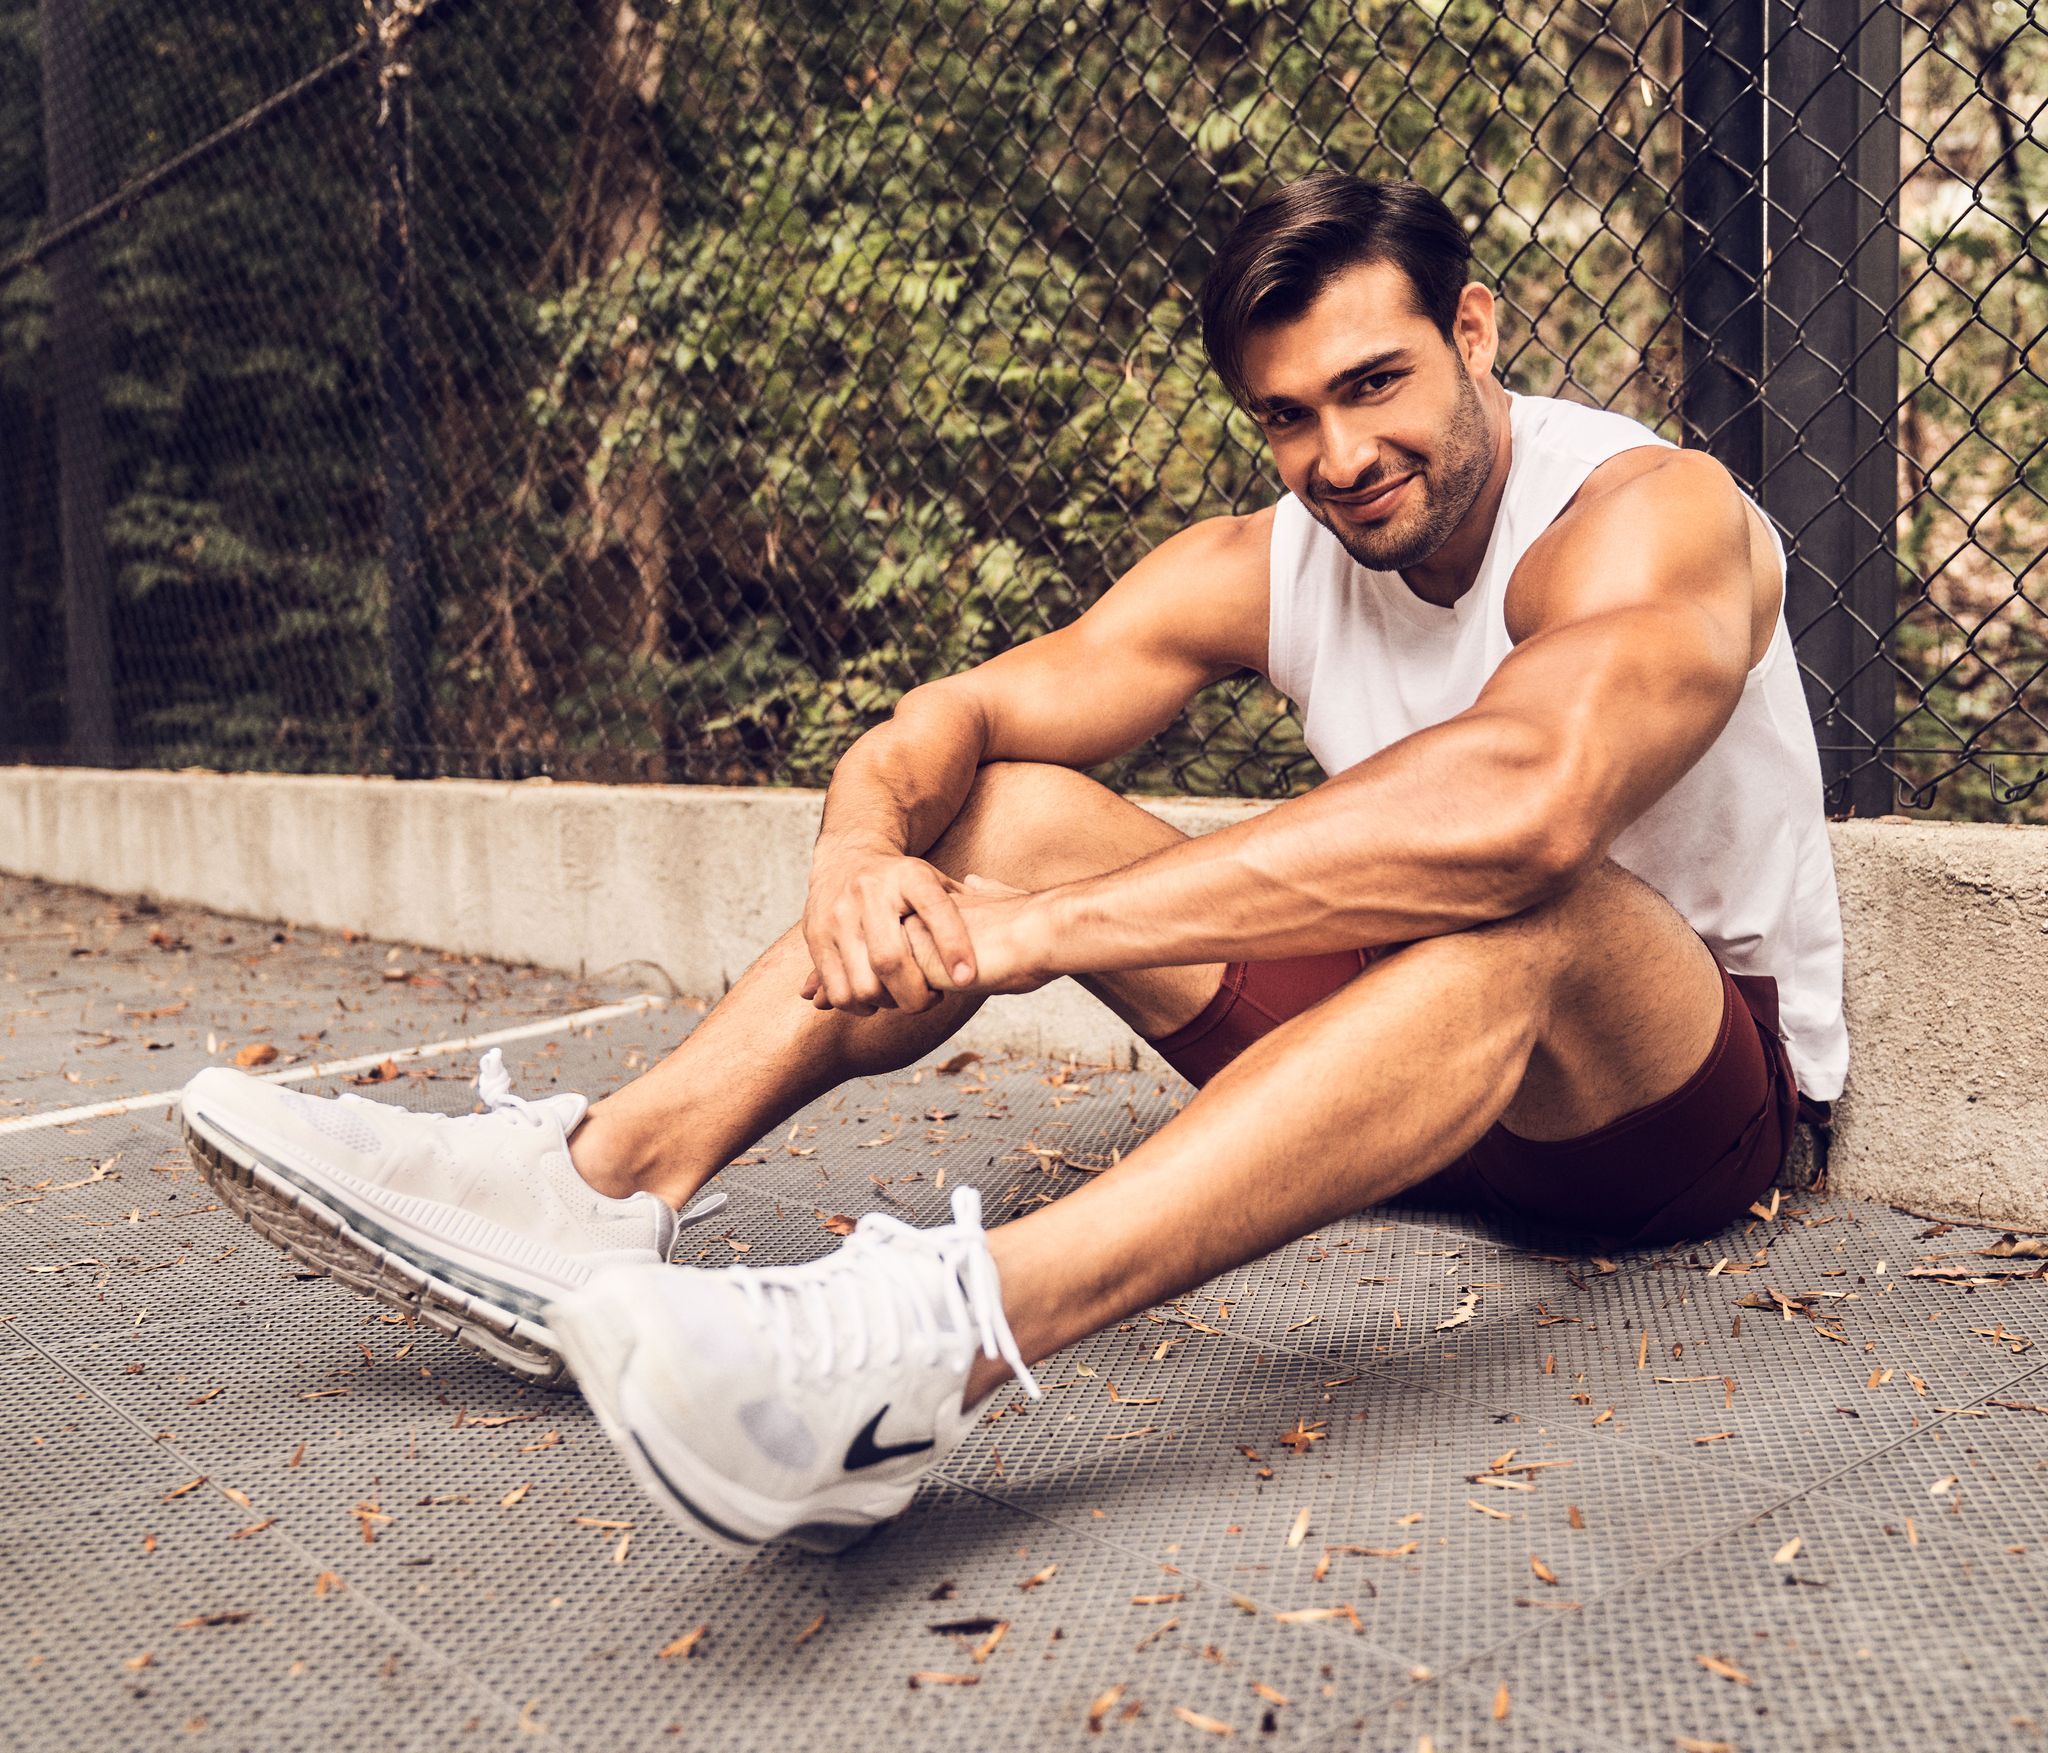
{"x": 927, "y": 952}
{"x": 832, "y": 972}
{"x": 889, "y": 955}
{"x": 948, "y": 931}
{"x": 864, "y": 993}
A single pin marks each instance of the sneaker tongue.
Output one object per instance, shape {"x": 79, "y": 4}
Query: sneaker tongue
{"x": 568, "y": 1108}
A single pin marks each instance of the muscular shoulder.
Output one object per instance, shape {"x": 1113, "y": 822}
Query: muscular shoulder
{"x": 1205, "y": 588}
{"x": 1648, "y": 525}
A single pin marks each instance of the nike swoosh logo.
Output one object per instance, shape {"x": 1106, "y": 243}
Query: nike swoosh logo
{"x": 864, "y": 1451}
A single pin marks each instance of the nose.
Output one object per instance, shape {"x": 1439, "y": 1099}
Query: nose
{"x": 1350, "y": 449}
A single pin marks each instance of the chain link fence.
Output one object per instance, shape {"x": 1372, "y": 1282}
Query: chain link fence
{"x": 626, "y": 390}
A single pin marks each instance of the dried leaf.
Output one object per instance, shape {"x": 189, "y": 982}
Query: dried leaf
{"x": 683, "y": 1646}
{"x": 1466, "y": 1305}
{"x": 1726, "y": 1669}
{"x": 256, "y": 1053}
{"x": 514, "y": 1495}
{"x": 233, "y": 1495}
{"x": 2012, "y": 1247}
{"x": 811, "y": 1630}
{"x": 1544, "y": 1574}
{"x": 327, "y": 1583}
{"x": 1303, "y": 1434}
{"x": 1209, "y": 1725}
{"x": 386, "y": 1072}
{"x": 959, "y": 1063}
{"x": 987, "y": 1647}
{"x": 1037, "y": 1579}
{"x": 1103, "y": 1704}
{"x": 1500, "y": 1703}
{"x": 180, "y": 1490}
{"x": 1487, "y": 1509}
{"x": 141, "y": 1661}
{"x": 1299, "y": 1532}
{"x": 200, "y": 1620}
{"x": 1691, "y": 1744}
{"x": 1940, "y": 1488}
{"x": 924, "y": 1677}
{"x": 253, "y": 1528}
{"x": 1269, "y": 1694}
{"x": 1789, "y": 1551}
{"x": 837, "y": 1222}
{"x": 1574, "y": 1515}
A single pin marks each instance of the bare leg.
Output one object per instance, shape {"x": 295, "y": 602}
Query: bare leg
{"x": 1557, "y": 1021}
{"x": 764, "y": 1051}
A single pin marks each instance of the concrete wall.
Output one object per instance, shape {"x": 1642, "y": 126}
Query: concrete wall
{"x": 1947, "y": 924}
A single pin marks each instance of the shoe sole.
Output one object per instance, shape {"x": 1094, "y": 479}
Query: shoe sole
{"x": 311, "y": 1232}
{"x": 589, "y": 1344}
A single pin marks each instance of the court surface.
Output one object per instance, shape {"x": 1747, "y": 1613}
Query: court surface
{"x": 1405, "y": 1484}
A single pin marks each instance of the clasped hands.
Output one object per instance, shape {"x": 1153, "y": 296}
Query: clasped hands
{"x": 891, "y": 932}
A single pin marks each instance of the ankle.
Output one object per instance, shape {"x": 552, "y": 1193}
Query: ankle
{"x": 604, "y": 1156}
{"x": 987, "y": 1375}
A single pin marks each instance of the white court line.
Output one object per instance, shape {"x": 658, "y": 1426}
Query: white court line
{"x": 604, "y": 1013}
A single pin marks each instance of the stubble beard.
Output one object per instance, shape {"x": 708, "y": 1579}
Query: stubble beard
{"x": 1446, "y": 489}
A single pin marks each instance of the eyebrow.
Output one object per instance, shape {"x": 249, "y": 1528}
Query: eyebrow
{"x": 1343, "y": 380}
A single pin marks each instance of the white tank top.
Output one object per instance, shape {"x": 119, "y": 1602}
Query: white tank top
{"x": 1738, "y": 846}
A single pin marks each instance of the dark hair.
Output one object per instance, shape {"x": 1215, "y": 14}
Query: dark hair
{"x": 1286, "y": 249}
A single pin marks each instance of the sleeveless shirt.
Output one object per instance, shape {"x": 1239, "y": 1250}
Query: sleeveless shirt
{"x": 1738, "y": 845}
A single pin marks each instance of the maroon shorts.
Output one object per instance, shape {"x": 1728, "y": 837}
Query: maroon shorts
{"x": 1680, "y": 1167}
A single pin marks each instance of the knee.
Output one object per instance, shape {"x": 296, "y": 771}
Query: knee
{"x": 1009, "y": 797}
{"x": 1016, "y": 818}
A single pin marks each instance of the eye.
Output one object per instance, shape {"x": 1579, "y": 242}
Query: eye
{"x": 1278, "y": 418}
{"x": 1379, "y": 380}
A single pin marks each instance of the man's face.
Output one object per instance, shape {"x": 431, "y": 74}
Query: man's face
{"x": 1374, "y": 419}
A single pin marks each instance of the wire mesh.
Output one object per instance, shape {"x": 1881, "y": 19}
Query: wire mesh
{"x": 629, "y": 390}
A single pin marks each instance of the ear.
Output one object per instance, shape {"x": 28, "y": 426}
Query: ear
{"x": 1475, "y": 331}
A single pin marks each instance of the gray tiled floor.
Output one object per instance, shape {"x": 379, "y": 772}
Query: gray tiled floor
{"x": 148, "y": 1342}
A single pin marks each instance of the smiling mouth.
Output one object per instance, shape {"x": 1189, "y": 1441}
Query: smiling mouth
{"x": 1365, "y": 502}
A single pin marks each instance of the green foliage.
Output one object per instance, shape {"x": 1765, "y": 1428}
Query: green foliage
{"x": 776, "y": 357}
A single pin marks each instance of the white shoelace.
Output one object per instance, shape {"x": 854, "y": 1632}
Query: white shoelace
{"x": 494, "y": 1086}
{"x": 839, "y": 1312}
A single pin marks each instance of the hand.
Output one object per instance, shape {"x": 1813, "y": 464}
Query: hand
{"x": 854, "y": 925}
{"x": 1011, "y": 953}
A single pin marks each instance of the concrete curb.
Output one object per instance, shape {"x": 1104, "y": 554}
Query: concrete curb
{"x": 1947, "y": 924}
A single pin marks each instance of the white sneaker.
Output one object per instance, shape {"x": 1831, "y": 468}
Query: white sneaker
{"x": 800, "y": 1403}
{"x": 472, "y": 1222}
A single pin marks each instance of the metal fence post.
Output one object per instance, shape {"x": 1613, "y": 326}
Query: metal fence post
{"x": 1720, "y": 294}
{"x": 1830, "y": 470}
{"x": 409, "y": 626}
{"x": 78, "y": 351}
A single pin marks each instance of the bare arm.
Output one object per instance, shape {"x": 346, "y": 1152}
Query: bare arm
{"x": 1191, "y": 612}
{"x": 1634, "y": 618}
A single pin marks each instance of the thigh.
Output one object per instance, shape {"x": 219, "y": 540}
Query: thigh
{"x": 1678, "y": 1167}
{"x": 1635, "y": 1003}
{"x": 1659, "y": 1099}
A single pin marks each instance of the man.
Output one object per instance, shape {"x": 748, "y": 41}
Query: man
{"x": 1558, "y": 937}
